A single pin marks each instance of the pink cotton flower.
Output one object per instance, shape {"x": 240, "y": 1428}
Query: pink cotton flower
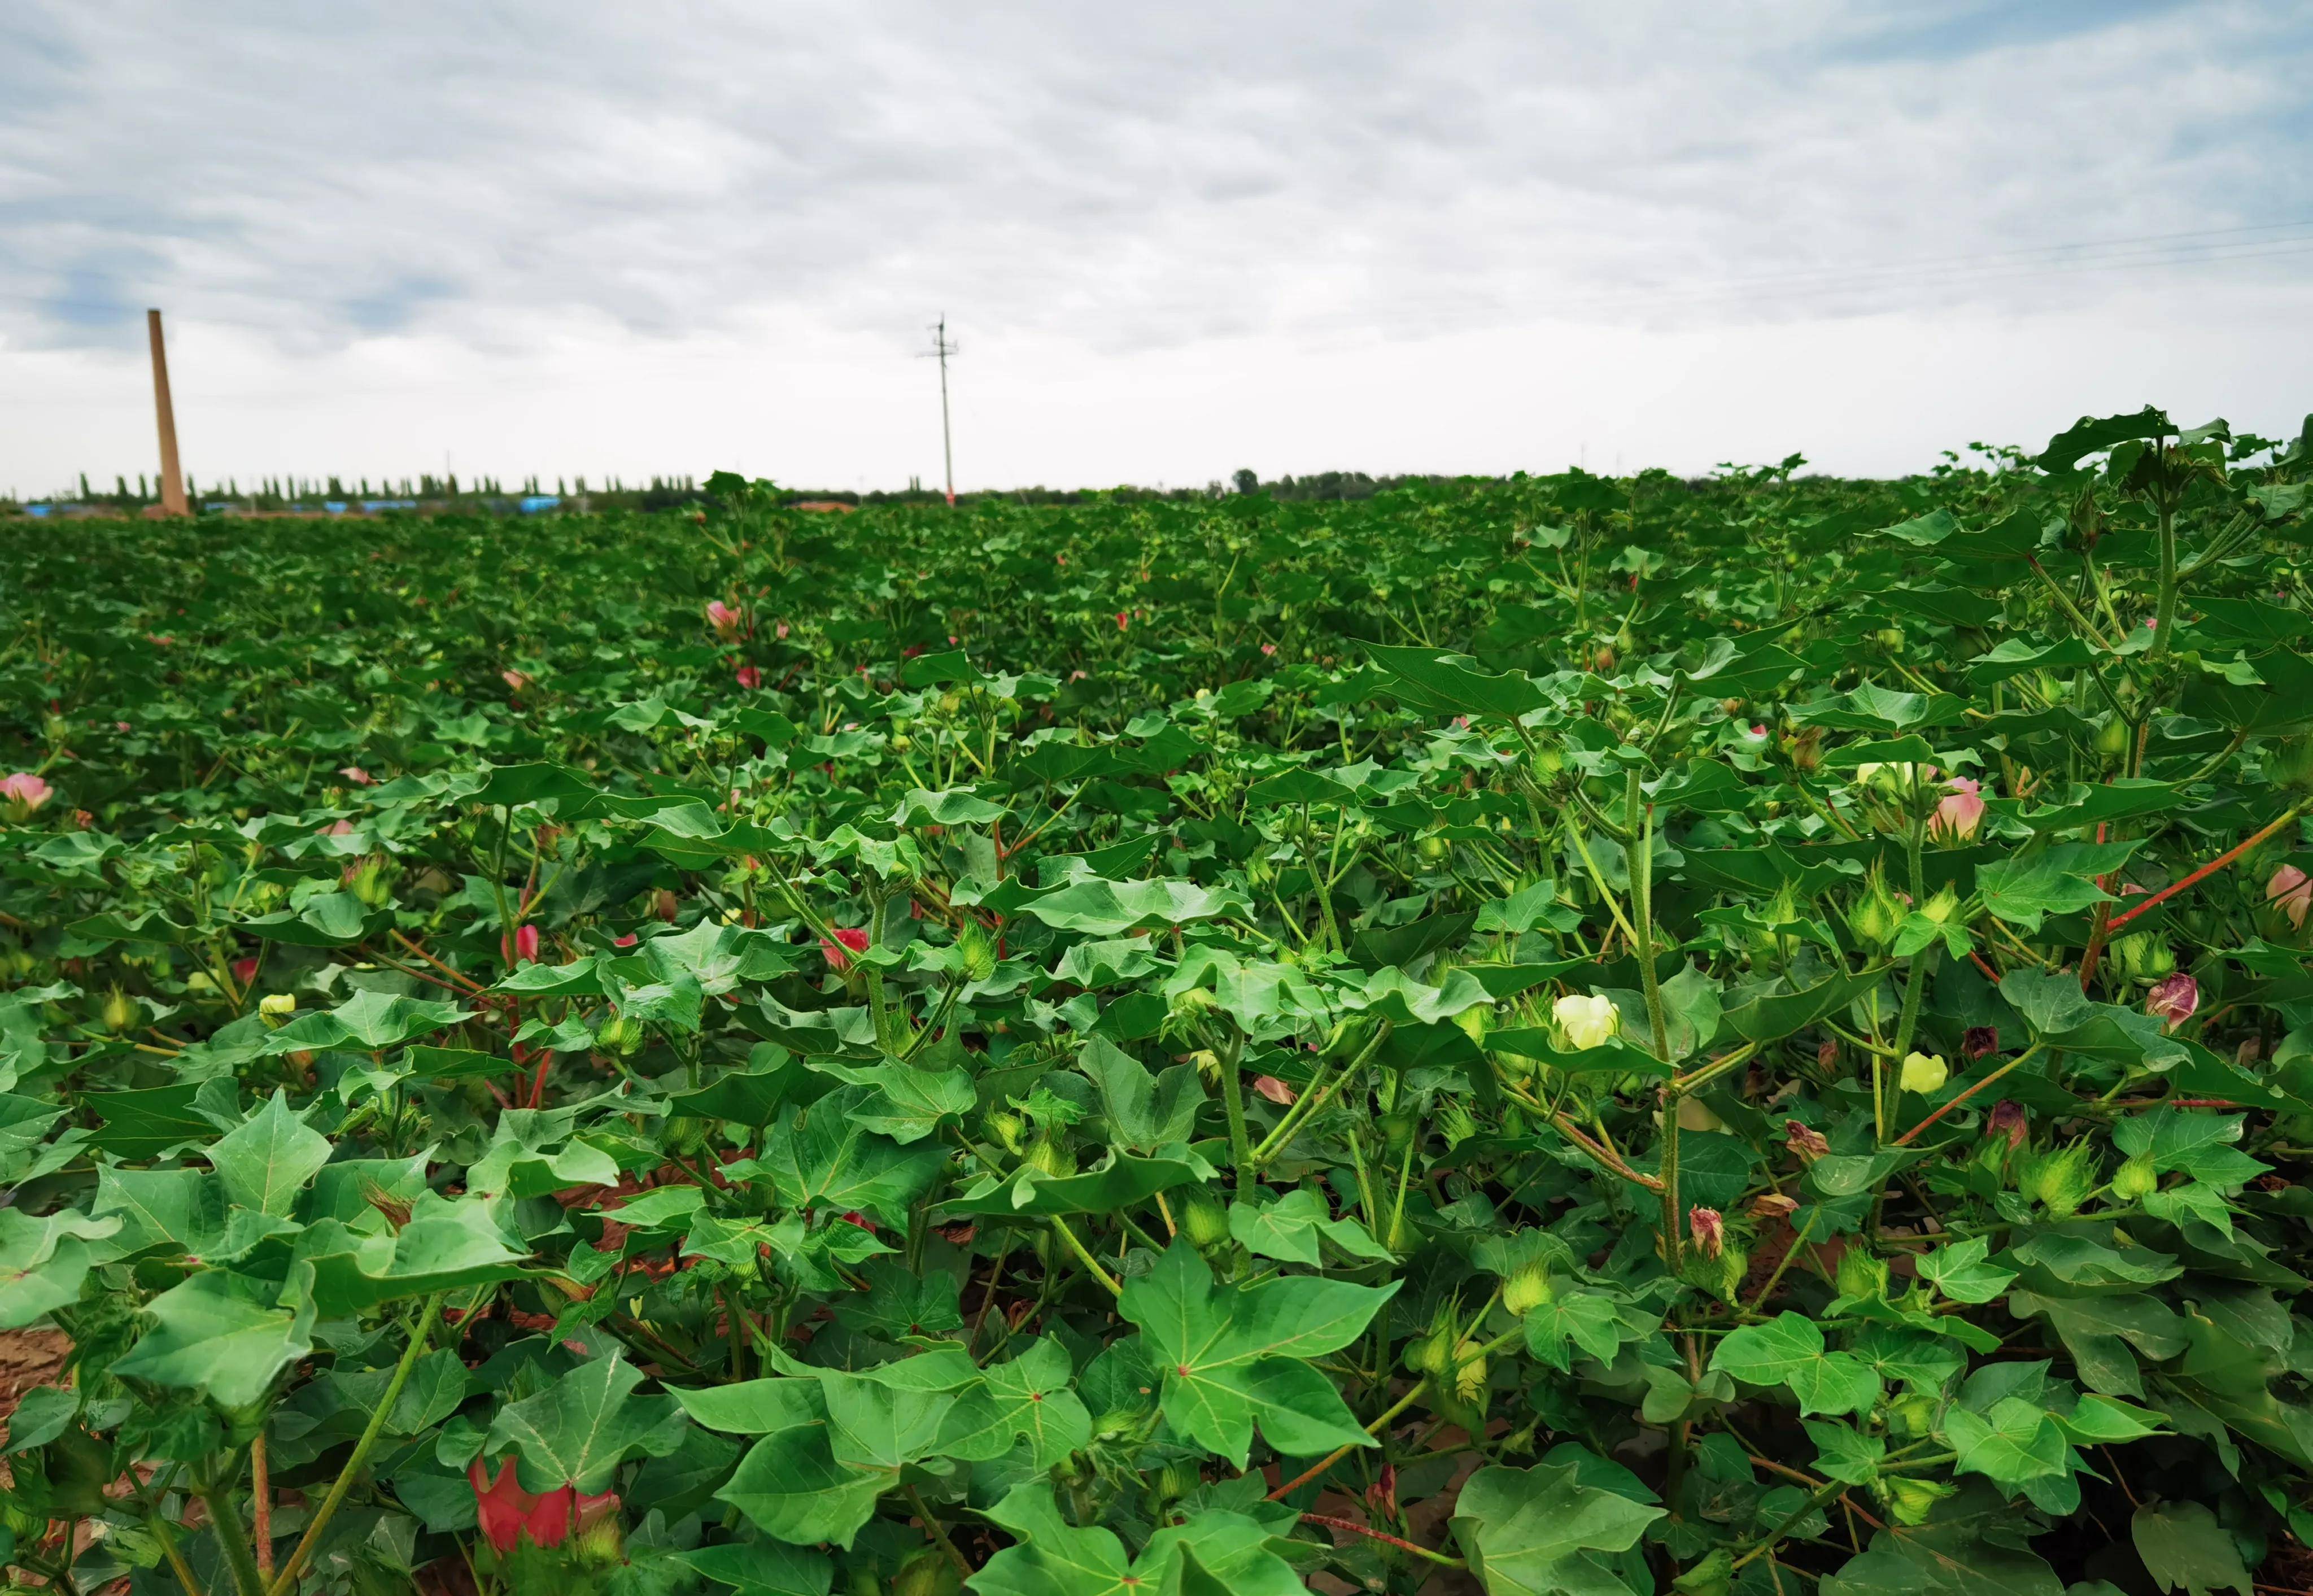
{"x": 343, "y": 828}
{"x": 2173, "y": 999}
{"x": 515, "y": 681}
{"x": 627, "y": 941}
{"x": 780, "y": 633}
{"x": 1269, "y": 647}
{"x": 356, "y": 775}
{"x": 726, "y": 621}
{"x": 1122, "y": 620}
{"x": 1959, "y": 813}
{"x": 244, "y": 970}
{"x": 1274, "y": 1090}
{"x": 2289, "y": 889}
{"x": 523, "y": 949}
{"x": 851, "y": 938}
{"x": 23, "y": 794}
{"x": 748, "y": 676}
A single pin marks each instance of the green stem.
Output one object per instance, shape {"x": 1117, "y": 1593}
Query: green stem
{"x": 225, "y": 1517}
{"x": 1642, "y": 901}
{"x": 2165, "y": 612}
{"x": 1311, "y": 1101}
{"x": 1085, "y": 1258}
{"x": 362, "y": 1448}
{"x": 1233, "y": 1102}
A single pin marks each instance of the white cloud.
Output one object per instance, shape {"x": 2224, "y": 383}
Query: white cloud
{"x": 558, "y": 238}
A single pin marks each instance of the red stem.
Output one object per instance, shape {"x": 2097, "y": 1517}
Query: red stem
{"x": 2211, "y": 869}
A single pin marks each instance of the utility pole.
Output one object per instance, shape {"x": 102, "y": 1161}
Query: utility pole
{"x": 173, "y": 480}
{"x": 942, "y": 349}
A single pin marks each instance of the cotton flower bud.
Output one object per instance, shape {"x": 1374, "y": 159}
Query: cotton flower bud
{"x": 2135, "y": 1180}
{"x": 1876, "y": 915}
{"x": 1527, "y": 1288}
{"x": 1006, "y": 1127}
{"x": 1050, "y": 1158}
{"x": 1587, "y": 1021}
{"x": 1714, "y": 1576}
{"x": 1860, "y": 1275}
{"x": 1942, "y": 908}
{"x": 1428, "y": 1354}
{"x": 1209, "y": 1065}
{"x": 977, "y": 950}
{"x": 1959, "y": 813}
{"x": 1773, "y": 1206}
{"x": 119, "y": 1011}
{"x": 276, "y": 1007}
{"x": 1203, "y": 1221}
{"x": 2142, "y": 957}
{"x": 2060, "y": 1179}
{"x": 1457, "y": 1123}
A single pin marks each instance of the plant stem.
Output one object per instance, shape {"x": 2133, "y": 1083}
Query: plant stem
{"x": 160, "y": 1527}
{"x": 225, "y": 1517}
{"x": 2211, "y": 869}
{"x": 1084, "y": 1257}
{"x": 2165, "y": 612}
{"x": 1906, "y": 1139}
{"x": 362, "y": 1448}
{"x": 1233, "y": 1102}
{"x": 939, "y": 1530}
{"x": 260, "y": 1505}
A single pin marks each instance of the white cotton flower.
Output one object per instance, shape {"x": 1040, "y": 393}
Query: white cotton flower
{"x": 1588, "y": 1021}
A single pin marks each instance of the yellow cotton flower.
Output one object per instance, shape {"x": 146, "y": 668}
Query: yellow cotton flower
{"x": 1924, "y": 1073}
{"x": 1588, "y": 1021}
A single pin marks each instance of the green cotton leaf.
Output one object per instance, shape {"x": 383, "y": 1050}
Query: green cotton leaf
{"x": 1770, "y": 1016}
{"x": 1960, "y": 1271}
{"x": 368, "y": 1022}
{"x": 1288, "y": 1228}
{"x": 2014, "y": 1442}
{"x": 761, "y": 1567}
{"x": 2053, "y": 1005}
{"x": 2025, "y": 889}
{"x": 1230, "y": 1357}
{"x": 833, "y": 1160}
{"x": 1099, "y": 908}
{"x": 1232, "y": 1551}
{"x": 1028, "y": 1397}
{"x": 219, "y": 1334}
{"x": 1580, "y": 1318}
{"x": 2185, "y": 1549}
{"x": 1146, "y": 1111}
{"x": 716, "y": 956}
{"x": 1442, "y": 684}
{"x": 1123, "y": 1182}
{"x": 1845, "y": 1454}
{"x": 899, "y": 1302}
{"x": 2197, "y": 1141}
{"x": 266, "y": 1162}
{"x": 1536, "y": 1531}
{"x": 819, "y": 1479}
{"x": 1873, "y": 708}
{"x": 954, "y": 805}
{"x": 449, "y": 1243}
{"x": 582, "y": 1426}
{"x": 1528, "y": 907}
{"x": 44, "y": 1261}
{"x": 522, "y": 1159}
{"x": 325, "y": 919}
{"x": 905, "y": 1101}
{"x": 145, "y": 1121}
{"x": 2099, "y": 1421}
{"x": 2093, "y": 434}
{"x": 1972, "y": 1544}
{"x": 2099, "y": 1331}
{"x": 1788, "y": 1351}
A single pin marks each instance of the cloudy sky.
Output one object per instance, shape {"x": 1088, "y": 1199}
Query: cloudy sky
{"x": 576, "y": 237}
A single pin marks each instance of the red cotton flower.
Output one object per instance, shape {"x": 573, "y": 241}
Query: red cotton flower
{"x": 523, "y": 949}
{"x": 850, "y": 937}
{"x": 507, "y": 1513}
{"x": 748, "y": 676}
